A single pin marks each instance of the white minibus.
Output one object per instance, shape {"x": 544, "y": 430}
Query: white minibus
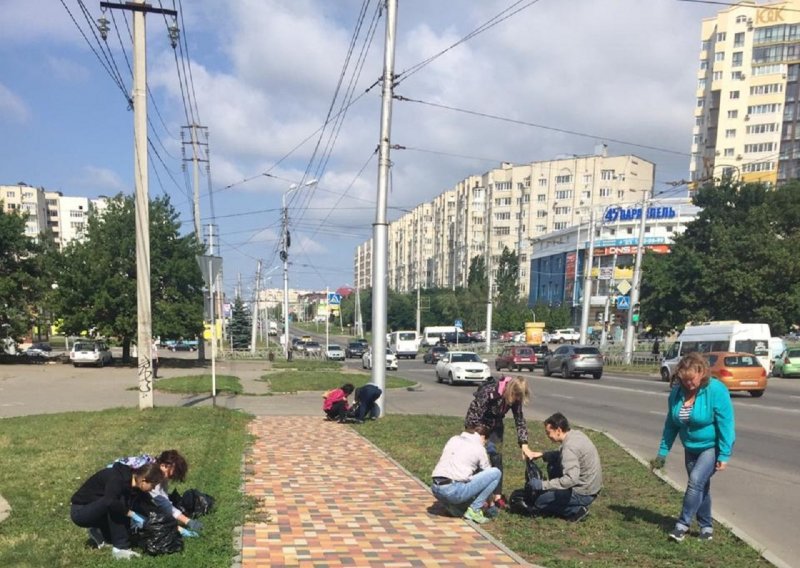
{"x": 718, "y": 336}
{"x": 404, "y": 343}
{"x": 432, "y": 334}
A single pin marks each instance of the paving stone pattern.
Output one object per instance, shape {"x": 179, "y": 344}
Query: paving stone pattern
{"x": 335, "y": 500}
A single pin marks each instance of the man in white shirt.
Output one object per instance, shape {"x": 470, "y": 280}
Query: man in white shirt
{"x": 464, "y": 475}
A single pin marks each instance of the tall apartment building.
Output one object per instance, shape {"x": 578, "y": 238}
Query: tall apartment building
{"x": 748, "y": 94}
{"x": 61, "y": 217}
{"x": 506, "y": 207}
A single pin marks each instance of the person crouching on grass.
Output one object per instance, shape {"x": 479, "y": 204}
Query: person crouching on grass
{"x": 335, "y": 403}
{"x": 102, "y": 505}
{"x": 455, "y": 483}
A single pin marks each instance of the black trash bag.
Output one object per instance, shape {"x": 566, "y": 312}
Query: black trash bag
{"x": 160, "y": 535}
{"x": 193, "y": 503}
{"x": 521, "y": 500}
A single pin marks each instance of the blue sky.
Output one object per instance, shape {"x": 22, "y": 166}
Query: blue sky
{"x": 264, "y": 74}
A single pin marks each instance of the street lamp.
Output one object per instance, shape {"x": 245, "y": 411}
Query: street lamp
{"x": 285, "y": 258}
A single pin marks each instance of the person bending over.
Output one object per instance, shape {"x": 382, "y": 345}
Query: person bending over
{"x": 367, "y": 397}
{"x": 335, "y": 403}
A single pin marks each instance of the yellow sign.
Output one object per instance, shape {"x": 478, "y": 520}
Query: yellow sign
{"x": 533, "y": 332}
{"x": 769, "y": 15}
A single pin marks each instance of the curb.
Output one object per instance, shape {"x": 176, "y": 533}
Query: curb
{"x": 5, "y": 509}
{"x": 741, "y": 534}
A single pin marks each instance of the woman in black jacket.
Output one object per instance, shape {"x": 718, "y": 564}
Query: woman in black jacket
{"x": 102, "y": 504}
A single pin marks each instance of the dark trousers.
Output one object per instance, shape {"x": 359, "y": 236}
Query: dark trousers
{"x": 337, "y": 410}
{"x": 155, "y": 368}
{"x": 494, "y": 449}
{"x": 367, "y": 396}
{"x": 561, "y": 502}
{"x": 98, "y": 514}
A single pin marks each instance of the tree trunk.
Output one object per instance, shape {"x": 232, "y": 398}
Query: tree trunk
{"x": 126, "y": 349}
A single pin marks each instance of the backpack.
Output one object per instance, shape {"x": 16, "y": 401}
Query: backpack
{"x": 521, "y": 500}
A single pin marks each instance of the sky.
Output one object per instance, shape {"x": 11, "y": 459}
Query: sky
{"x": 263, "y": 75}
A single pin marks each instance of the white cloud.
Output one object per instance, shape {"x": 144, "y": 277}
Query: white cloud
{"x": 67, "y": 69}
{"x": 100, "y": 180}
{"x": 12, "y": 107}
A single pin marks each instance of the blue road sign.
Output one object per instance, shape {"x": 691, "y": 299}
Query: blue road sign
{"x": 623, "y": 302}
{"x": 459, "y": 324}
{"x": 334, "y": 299}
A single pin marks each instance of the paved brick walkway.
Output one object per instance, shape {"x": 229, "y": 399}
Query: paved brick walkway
{"x": 335, "y": 500}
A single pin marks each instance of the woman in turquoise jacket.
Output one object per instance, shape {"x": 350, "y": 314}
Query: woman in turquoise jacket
{"x": 701, "y": 413}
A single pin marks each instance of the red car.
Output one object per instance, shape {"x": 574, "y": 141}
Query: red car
{"x": 507, "y": 336}
{"x": 516, "y": 358}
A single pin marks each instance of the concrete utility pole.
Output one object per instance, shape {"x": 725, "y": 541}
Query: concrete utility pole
{"x": 144, "y": 322}
{"x": 611, "y": 286}
{"x": 637, "y": 278}
{"x": 587, "y": 282}
{"x": 380, "y": 229}
{"x": 489, "y": 275}
{"x": 254, "y": 312}
{"x": 196, "y": 158}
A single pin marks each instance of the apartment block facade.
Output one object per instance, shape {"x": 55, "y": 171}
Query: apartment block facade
{"x": 747, "y": 116}
{"x": 62, "y": 218}
{"x": 507, "y": 207}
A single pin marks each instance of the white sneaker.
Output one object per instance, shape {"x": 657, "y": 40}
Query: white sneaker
{"x": 124, "y": 553}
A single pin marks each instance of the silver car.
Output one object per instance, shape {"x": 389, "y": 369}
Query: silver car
{"x": 90, "y": 352}
{"x": 574, "y": 361}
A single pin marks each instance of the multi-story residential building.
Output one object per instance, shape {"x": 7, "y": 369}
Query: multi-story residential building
{"x": 506, "y": 207}
{"x": 747, "y": 118}
{"x": 63, "y": 218}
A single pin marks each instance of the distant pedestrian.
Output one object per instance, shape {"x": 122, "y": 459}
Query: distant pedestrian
{"x": 700, "y": 412}
{"x": 154, "y": 358}
{"x": 656, "y": 348}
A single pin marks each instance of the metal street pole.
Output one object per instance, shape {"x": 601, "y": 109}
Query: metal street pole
{"x": 611, "y": 286}
{"x": 587, "y": 282}
{"x": 380, "y": 228}
{"x": 254, "y": 313}
{"x": 637, "y": 278}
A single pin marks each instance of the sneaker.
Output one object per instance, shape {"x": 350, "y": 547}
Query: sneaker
{"x": 500, "y": 503}
{"x": 491, "y": 512}
{"x": 124, "y": 553}
{"x": 707, "y": 535}
{"x": 677, "y": 534}
{"x": 96, "y": 537}
{"x": 579, "y": 515}
{"x": 475, "y": 516}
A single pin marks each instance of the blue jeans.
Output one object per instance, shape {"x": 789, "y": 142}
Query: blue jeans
{"x": 561, "y": 502}
{"x": 476, "y": 489}
{"x": 697, "y": 499}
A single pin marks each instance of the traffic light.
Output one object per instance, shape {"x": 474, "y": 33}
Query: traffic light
{"x": 635, "y": 313}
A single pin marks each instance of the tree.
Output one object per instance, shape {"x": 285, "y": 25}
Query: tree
{"x": 477, "y": 274}
{"x": 20, "y": 277}
{"x": 240, "y": 327}
{"x": 97, "y": 276}
{"x": 736, "y": 261}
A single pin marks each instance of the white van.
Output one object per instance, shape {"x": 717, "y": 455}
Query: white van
{"x": 432, "y": 334}
{"x": 404, "y": 343}
{"x": 718, "y": 336}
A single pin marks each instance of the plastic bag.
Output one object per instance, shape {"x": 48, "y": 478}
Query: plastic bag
{"x": 521, "y": 500}
{"x": 193, "y": 503}
{"x": 160, "y": 535}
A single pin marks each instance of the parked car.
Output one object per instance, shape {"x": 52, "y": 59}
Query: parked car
{"x": 542, "y": 352}
{"x": 182, "y": 345}
{"x": 516, "y": 358}
{"x": 565, "y": 335}
{"x": 574, "y": 361}
{"x": 434, "y": 353}
{"x": 355, "y": 350}
{"x": 334, "y": 352}
{"x": 312, "y": 348}
{"x": 738, "y": 371}
{"x": 519, "y": 337}
{"x": 451, "y": 338}
{"x": 507, "y": 336}
{"x": 39, "y": 350}
{"x": 391, "y": 359}
{"x": 462, "y": 366}
{"x": 90, "y": 352}
{"x": 787, "y": 364}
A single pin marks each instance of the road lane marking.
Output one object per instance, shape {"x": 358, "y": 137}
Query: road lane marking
{"x": 562, "y": 396}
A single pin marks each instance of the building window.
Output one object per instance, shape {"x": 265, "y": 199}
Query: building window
{"x": 542, "y": 182}
{"x": 701, "y": 84}
{"x": 606, "y": 175}
{"x": 502, "y": 185}
{"x": 540, "y": 214}
{"x": 736, "y": 59}
{"x": 717, "y": 76}
{"x": 620, "y": 194}
{"x": 737, "y": 76}
{"x": 559, "y": 226}
{"x": 564, "y": 179}
{"x": 764, "y": 109}
{"x": 733, "y": 114}
{"x": 719, "y": 56}
{"x": 564, "y": 194}
{"x": 738, "y": 38}
{"x": 740, "y": 20}
{"x": 734, "y": 94}
{"x": 761, "y": 147}
{"x": 562, "y": 210}
{"x": 587, "y": 179}
{"x": 766, "y": 89}
{"x": 502, "y": 216}
{"x": 762, "y": 128}
{"x": 701, "y": 103}
{"x": 728, "y": 152}
{"x": 605, "y": 191}
{"x": 730, "y": 133}
{"x": 720, "y": 37}
{"x": 703, "y": 64}
{"x": 502, "y": 231}
{"x": 541, "y": 198}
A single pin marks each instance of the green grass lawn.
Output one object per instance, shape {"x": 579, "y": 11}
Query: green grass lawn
{"x": 294, "y": 381}
{"x": 302, "y": 364}
{"x": 194, "y": 384}
{"x": 628, "y": 523}
{"x": 44, "y": 459}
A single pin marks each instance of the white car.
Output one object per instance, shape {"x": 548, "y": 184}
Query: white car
{"x": 462, "y": 366}
{"x": 567, "y": 334}
{"x": 334, "y": 353}
{"x": 89, "y": 352}
{"x": 391, "y": 359}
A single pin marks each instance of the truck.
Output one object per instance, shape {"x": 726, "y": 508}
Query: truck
{"x": 710, "y": 336}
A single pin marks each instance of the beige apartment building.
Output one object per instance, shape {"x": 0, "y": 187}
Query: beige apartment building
{"x": 511, "y": 206}
{"x": 747, "y": 113}
{"x": 62, "y": 217}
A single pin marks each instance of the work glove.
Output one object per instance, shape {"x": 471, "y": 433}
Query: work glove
{"x": 137, "y": 521}
{"x": 186, "y": 533}
{"x": 194, "y": 525}
{"x": 535, "y": 484}
{"x": 657, "y": 463}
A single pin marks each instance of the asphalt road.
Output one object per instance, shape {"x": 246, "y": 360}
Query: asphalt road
{"x": 758, "y": 491}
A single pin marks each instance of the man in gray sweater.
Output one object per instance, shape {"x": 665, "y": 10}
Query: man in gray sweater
{"x": 575, "y": 474}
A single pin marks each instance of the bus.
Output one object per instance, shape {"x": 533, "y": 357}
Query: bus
{"x": 404, "y": 344}
{"x": 719, "y": 336}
